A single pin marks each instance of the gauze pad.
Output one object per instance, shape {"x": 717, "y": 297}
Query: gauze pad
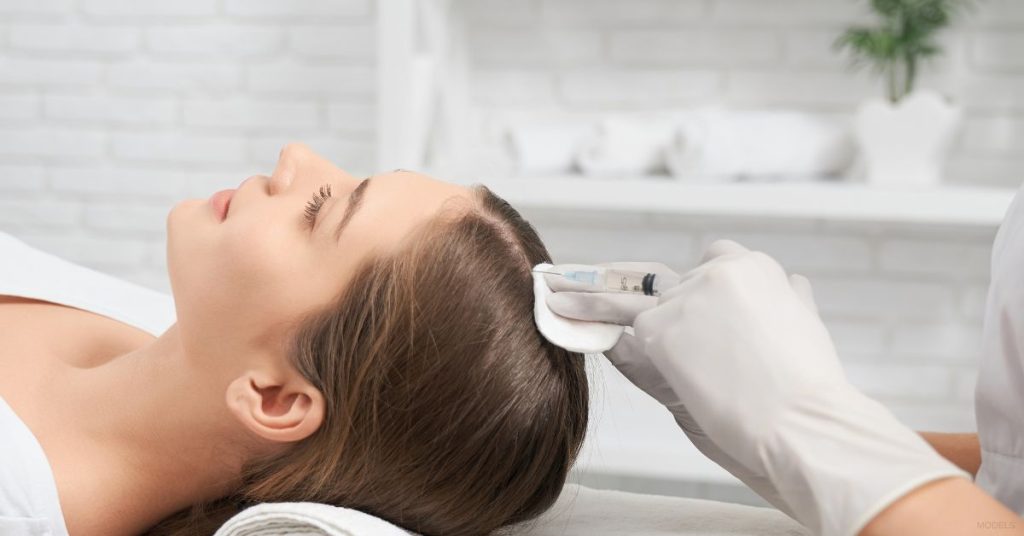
{"x": 574, "y": 335}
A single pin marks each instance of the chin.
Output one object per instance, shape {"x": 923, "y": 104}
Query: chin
{"x": 187, "y": 228}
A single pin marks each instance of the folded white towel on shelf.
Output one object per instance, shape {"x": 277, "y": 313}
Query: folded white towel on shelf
{"x": 720, "y": 145}
{"x": 548, "y": 147}
{"x": 306, "y": 519}
{"x": 626, "y": 146}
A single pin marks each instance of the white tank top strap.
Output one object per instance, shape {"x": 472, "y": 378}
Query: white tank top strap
{"x": 29, "y": 504}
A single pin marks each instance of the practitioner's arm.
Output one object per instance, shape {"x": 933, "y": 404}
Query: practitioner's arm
{"x": 961, "y": 449}
{"x": 947, "y": 507}
{"x": 831, "y": 457}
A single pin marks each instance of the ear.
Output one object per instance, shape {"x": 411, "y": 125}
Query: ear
{"x": 279, "y": 409}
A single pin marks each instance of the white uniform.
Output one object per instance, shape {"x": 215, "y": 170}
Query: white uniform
{"x": 29, "y": 504}
{"x": 999, "y": 395}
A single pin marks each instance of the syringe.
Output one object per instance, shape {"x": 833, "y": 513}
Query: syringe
{"x": 599, "y": 279}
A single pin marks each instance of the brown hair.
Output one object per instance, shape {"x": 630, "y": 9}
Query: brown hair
{"x": 448, "y": 413}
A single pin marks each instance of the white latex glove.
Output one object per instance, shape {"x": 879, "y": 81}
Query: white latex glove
{"x": 755, "y": 367}
{"x": 629, "y": 358}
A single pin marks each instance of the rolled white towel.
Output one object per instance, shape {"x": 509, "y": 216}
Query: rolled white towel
{"x": 306, "y": 519}
{"x": 624, "y": 146}
{"x": 721, "y": 145}
{"x": 550, "y": 147}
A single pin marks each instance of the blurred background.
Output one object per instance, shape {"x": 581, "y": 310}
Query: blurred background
{"x": 636, "y": 130}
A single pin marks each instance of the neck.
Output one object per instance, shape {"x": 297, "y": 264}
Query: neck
{"x": 147, "y": 431}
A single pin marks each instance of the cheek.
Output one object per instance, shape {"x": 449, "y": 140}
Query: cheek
{"x": 254, "y": 265}
{"x": 237, "y": 276}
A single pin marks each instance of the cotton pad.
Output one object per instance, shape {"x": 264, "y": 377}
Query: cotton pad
{"x": 574, "y": 335}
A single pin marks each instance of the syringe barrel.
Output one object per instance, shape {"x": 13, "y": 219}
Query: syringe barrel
{"x": 636, "y": 282}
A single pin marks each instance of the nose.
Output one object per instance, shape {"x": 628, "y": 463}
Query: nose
{"x": 279, "y": 182}
{"x": 284, "y": 172}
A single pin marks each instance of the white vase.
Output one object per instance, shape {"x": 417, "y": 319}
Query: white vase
{"x": 906, "y": 144}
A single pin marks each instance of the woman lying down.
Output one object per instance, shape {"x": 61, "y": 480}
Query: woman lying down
{"x": 366, "y": 343}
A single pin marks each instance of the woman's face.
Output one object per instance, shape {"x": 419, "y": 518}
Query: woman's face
{"x": 240, "y": 284}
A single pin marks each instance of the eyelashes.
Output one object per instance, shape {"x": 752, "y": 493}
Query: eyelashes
{"x": 313, "y": 206}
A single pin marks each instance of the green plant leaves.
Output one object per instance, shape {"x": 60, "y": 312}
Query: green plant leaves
{"x": 874, "y": 44}
{"x": 905, "y": 34}
{"x": 888, "y": 8}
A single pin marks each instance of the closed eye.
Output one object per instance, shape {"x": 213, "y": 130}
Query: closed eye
{"x": 315, "y": 204}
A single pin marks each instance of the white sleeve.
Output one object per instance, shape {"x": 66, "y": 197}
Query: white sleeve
{"x": 999, "y": 394}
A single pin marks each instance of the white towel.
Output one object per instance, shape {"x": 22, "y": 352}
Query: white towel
{"x": 579, "y": 511}
{"x": 627, "y": 146}
{"x": 720, "y": 145}
{"x": 549, "y": 147}
{"x": 582, "y": 511}
{"x": 306, "y": 519}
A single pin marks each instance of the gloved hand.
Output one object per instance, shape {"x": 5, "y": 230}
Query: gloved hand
{"x": 629, "y": 358}
{"x": 754, "y": 366}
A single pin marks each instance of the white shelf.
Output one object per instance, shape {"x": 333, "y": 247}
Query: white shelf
{"x": 836, "y": 201}
{"x": 419, "y": 42}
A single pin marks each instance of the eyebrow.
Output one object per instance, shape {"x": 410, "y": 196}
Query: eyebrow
{"x": 355, "y": 200}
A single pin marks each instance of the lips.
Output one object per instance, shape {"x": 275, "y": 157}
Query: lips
{"x": 220, "y": 202}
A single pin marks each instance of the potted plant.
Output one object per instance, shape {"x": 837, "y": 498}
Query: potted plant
{"x": 904, "y": 138}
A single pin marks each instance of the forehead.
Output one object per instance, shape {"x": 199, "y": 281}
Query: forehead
{"x": 420, "y": 183}
{"x": 397, "y": 203}
{"x": 412, "y": 189}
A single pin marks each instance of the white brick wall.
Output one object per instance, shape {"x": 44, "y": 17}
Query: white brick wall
{"x": 590, "y": 89}
{"x": 707, "y": 47}
{"x": 106, "y": 109}
{"x": 151, "y": 10}
{"x": 112, "y": 110}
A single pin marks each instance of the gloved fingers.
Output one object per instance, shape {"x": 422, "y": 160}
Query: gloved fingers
{"x": 689, "y": 281}
{"x": 629, "y": 358}
{"x": 615, "y": 308}
{"x": 725, "y": 251}
{"x": 713, "y": 255}
{"x": 722, "y": 247}
{"x": 802, "y": 286}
